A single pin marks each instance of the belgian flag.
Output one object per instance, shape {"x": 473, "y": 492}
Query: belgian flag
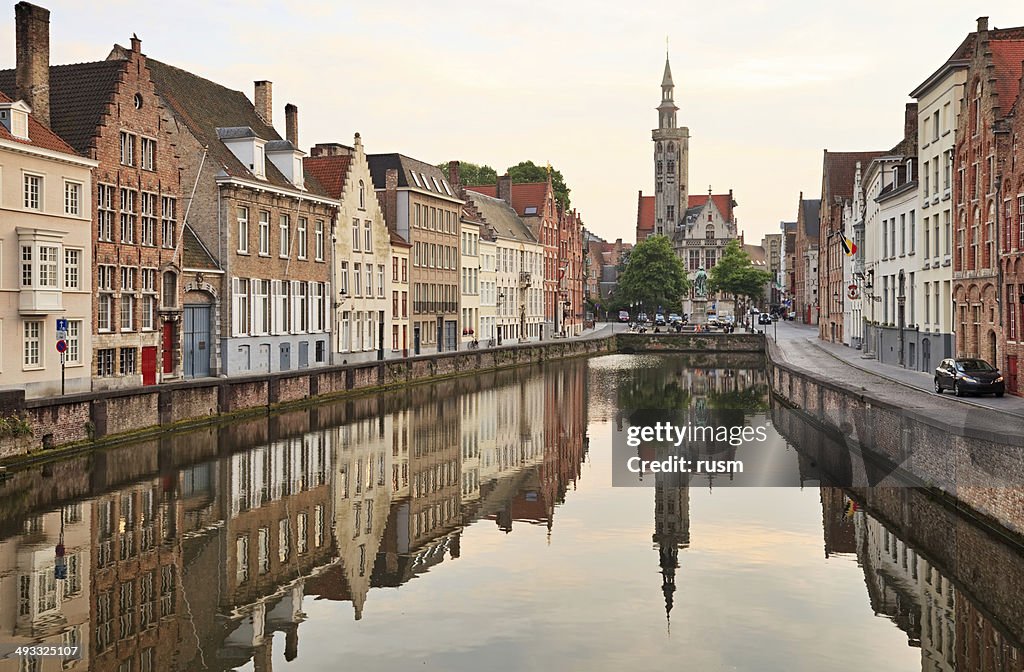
{"x": 849, "y": 247}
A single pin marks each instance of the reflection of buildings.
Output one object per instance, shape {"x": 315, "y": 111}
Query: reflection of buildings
{"x": 671, "y": 528}
{"x": 44, "y": 584}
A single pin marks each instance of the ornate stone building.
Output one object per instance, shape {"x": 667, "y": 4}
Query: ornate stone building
{"x": 671, "y": 161}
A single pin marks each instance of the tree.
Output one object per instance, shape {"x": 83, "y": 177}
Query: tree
{"x": 528, "y": 171}
{"x": 735, "y": 274}
{"x": 654, "y": 276}
{"x": 472, "y": 174}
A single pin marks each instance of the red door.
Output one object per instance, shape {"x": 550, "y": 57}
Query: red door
{"x": 149, "y": 365}
{"x": 168, "y": 346}
{"x": 1011, "y": 374}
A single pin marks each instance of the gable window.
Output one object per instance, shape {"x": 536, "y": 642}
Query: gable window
{"x": 362, "y": 195}
{"x": 147, "y": 147}
{"x": 169, "y": 224}
{"x": 105, "y": 212}
{"x": 368, "y": 236}
{"x": 127, "y": 216}
{"x": 127, "y": 149}
{"x": 33, "y": 191}
{"x": 355, "y": 235}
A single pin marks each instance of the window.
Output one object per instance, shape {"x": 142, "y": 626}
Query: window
{"x": 362, "y": 195}
{"x": 405, "y": 270}
{"x": 127, "y": 149}
{"x": 127, "y": 363}
{"x": 105, "y": 362}
{"x": 127, "y": 312}
{"x": 242, "y": 559}
{"x": 394, "y": 269}
{"x": 168, "y": 223}
{"x": 357, "y": 279}
{"x": 148, "y": 312}
{"x": 148, "y": 236}
{"x": 368, "y": 237}
{"x": 74, "y": 351}
{"x": 33, "y": 191}
{"x": 264, "y": 233}
{"x": 380, "y": 280}
{"x": 72, "y": 198}
{"x": 72, "y": 269}
{"x": 104, "y": 308}
{"x": 263, "y": 550}
{"x": 261, "y": 306}
{"x": 105, "y": 212}
{"x": 240, "y": 296}
{"x": 33, "y": 337}
{"x": 355, "y": 235}
{"x": 243, "y": 230}
{"x": 318, "y": 240}
{"x": 303, "y": 241}
{"x": 147, "y": 147}
{"x": 285, "y": 224}
{"x": 343, "y": 278}
{"x": 170, "y": 288}
{"x": 127, "y": 216}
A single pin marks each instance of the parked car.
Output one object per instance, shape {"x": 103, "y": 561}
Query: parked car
{"x": 791, "y": 316}
{"x": 659, "y": 320}
{"x": 968, "y": 374}
{"x": 764, "y": 318}
{"x": 623, "y": 316}
{"x": 642, "y": 317}
{"x": 674, "y": 317}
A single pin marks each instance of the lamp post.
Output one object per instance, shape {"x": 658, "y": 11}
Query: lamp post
{"x": 342, "y": 297}
{"x": 901, "y": 301}
{"x": 501, "y": 303}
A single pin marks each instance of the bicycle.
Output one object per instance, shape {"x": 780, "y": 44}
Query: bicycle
{"x": 474, "y": 344}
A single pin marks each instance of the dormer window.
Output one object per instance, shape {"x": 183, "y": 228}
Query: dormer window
{"x": 247, "y": 147}
{"x": 259, "y": 164}
{"x": 14, "y": 117}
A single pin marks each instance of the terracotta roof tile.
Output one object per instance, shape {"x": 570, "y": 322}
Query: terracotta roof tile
{"x": 722, "y": 201}
{"x": 645, "y": 215}
{"x": 330, "y": 171}
{"x": 79, "y": 97}
{"x": 524, "y": 195}
{"x": 38, "y": 134}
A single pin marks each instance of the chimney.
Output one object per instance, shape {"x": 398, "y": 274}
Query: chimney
{"x": 982, "y": 25}
{"x": 32, "y": 74}
{"x": 453, "y": 174}
{"x": 291, "y": 124}
{"x": 910, "y": 123}
{"x": 136, "y": 44}
{"x": 505, "y": 188}
{"x": 263, "y": 101}
{"x": 391, "y": 198}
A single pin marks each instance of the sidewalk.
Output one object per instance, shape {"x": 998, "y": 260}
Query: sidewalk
{"x": 799, "y": 345}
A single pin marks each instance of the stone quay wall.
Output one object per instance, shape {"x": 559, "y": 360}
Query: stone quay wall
{"x": 977, "y": 468}
{"x": 97, "y": 418}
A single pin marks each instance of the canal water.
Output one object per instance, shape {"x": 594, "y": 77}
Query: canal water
{"x": 472, "y": 524}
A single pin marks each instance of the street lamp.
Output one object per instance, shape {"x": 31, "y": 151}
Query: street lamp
{"x": 901, "y": 301}
{"x": 501, "y": 302}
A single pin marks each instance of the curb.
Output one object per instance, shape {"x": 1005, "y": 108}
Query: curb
{"x": 910, "y": 386}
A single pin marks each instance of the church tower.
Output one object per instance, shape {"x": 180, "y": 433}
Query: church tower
{"x": 671, "y": 162}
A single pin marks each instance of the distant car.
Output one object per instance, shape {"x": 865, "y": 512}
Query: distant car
{"x": 727, "y": 319}
{"x": 791, "y": 316}
{"x": 764, "y": 318}
{"x": 642, "y": 317}
{"x": 969, "y": 374}
{"x": 659, "y": 320}
{"x": 623, "y": 316}
{"x": 674, "y": 317}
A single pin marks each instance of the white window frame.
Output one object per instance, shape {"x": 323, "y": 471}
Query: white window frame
{"x": 32, "y": 346}
{"x": 73, "y": 268}
{"x": 73, "y": 198}
{"x": 318, "y": 240}
{"x": 73, "y": 355}
{"x": 243, "y": 229}
{"x": 32, "y": 199}
{"x": 284, "y": 224}
{"x": 301, "y": 232}
{"x": 264, "y": 233}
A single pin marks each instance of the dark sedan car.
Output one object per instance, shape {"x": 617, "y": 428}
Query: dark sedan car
{"x": 969, "y": 375}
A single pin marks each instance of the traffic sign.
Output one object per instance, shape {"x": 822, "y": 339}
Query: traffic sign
{"x": 62, "y": 346}
{"x": 62, "y": 335}
{"x": 62, "y": 324}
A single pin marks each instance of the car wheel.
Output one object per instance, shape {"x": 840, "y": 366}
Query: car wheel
{"x": 999, "y": 394}
{"x": 956, "y": 389}
{"x": 938, "y": 386}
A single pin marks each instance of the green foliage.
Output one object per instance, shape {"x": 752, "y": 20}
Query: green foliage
{"x": 735, "y": 274}
{"x": 528, "y": 171}
{"x": 14, "y": 425}
{"x": 472, "y": 174}
{"x": 654, "y": 276}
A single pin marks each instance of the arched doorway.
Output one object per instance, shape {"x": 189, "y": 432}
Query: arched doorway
{"x": 197, "y": 342}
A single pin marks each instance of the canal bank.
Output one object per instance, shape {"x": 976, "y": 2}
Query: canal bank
{"x": 970, "y": 456}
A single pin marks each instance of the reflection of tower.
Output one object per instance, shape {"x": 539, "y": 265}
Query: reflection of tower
{"x": 671, "y": 527}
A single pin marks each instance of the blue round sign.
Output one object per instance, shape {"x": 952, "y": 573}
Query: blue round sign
{"x": 62, "y": 346}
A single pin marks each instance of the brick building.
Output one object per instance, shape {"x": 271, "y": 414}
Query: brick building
{"x": 265, "y": 223}
{"x": 836, "y": 191}
{"x": 570, "y": 272}
{"x": 422, "y": 207}
{"x": 983, "y": 157}
{"x": 805, "y": 260}
{"x": 109, "y": 111}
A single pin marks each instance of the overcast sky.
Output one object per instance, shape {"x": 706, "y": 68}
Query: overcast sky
{"x": 763, "y": 87}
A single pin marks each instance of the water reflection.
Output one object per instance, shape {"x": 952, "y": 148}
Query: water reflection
{"x": 158, "y": 559}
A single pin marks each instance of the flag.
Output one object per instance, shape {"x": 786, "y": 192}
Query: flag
{"x": 849, "y": 247}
